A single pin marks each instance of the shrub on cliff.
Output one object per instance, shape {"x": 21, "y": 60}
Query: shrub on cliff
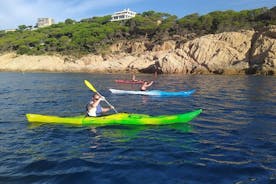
{"x": 96, "y": 33}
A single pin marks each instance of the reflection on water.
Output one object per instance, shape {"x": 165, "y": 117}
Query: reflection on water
{"x": 127, "y": 133}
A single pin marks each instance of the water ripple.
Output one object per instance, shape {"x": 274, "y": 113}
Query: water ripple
{"x": 232, "y": 141}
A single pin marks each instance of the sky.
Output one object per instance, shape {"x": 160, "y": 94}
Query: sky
{"x": 25, "y": 12}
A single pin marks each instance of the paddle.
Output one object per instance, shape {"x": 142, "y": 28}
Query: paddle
{"x": 90, "y": 86}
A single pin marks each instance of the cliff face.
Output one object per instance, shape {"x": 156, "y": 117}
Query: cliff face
{"x": 244, "y": 52}
{"x": 262, "y": 54}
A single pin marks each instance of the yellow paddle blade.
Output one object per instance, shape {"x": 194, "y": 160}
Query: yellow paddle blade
{"x": 90, "y": 86}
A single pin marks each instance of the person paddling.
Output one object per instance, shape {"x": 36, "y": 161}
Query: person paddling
{"x": 93, "y": 108}
{"x": 145, "y": 85}
{"x": 134, "y": 78}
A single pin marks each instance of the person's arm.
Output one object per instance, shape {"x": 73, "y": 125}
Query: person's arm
{"x": 105, "y": 109}
{"x": 148, "y": 85}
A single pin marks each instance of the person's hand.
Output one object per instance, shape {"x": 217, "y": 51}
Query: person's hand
{"x": 102, "y": 98}
{"x": 112, "y": 107}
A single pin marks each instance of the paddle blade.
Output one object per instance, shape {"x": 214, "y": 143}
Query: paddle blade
{"x": 90, "y": 86}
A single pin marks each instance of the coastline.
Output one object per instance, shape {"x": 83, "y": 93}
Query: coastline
{"x": 228, "y": 53}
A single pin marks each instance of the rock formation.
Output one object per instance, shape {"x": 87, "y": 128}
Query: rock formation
{"x": 244, "y": 52}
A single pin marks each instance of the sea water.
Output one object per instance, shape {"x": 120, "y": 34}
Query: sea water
{"x": 232, "y": 141}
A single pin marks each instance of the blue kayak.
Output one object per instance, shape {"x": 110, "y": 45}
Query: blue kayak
{"x": 154, "y": 92}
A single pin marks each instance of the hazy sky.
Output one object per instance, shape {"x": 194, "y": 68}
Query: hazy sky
{"x": 18, "y": 12}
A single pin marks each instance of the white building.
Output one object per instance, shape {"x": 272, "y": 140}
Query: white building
{"x": 9, "y": 30}
{"x": 123, "y": 15}
{"x": 43, "y": 22}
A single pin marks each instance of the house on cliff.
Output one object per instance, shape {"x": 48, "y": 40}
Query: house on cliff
{"x": 43, "y": 22}
{"x": 123, "y": 15}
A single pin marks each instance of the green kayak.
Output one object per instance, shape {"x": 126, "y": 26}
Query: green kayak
{"x": 116, "y": 119}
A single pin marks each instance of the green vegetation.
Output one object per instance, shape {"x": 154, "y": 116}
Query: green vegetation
{"x": 93, "y": 35}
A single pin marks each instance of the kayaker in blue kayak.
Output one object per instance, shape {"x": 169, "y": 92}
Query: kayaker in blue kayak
{"x": 93, "y": 108}
{"x": 145, "y": 85}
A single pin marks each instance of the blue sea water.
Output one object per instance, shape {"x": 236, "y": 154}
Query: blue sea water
{"x": 232, "y": 141}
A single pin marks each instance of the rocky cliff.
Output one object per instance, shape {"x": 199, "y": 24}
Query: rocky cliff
{"x": 244, "y": 52}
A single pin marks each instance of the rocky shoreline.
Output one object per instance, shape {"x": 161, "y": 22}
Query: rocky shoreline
{"x": 244, "y": 52}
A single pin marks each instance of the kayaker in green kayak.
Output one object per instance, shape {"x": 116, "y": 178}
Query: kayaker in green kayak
{"x": 145, "y": 85}
{"x": 93, "y": 108}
